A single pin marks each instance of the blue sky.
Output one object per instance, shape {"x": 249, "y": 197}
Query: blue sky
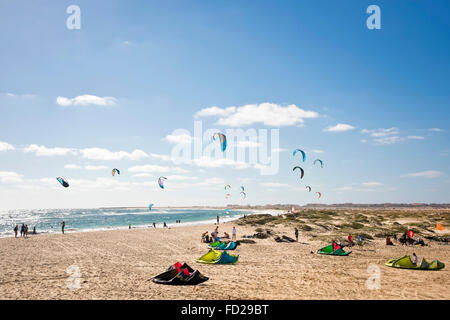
{"x": 135, "y": 72}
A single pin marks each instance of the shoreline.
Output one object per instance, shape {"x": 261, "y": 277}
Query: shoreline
{"x": 145, "y": 226}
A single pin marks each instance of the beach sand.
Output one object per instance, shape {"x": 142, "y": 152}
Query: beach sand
{"x": 118, "y": 264}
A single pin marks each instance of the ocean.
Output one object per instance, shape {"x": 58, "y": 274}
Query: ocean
{"x": 49, "y": 220}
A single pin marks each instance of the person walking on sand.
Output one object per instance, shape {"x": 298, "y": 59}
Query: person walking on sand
{"x": 16, "y": 229}
{"x": 296, "y": 234}
{"x": 63, "y": 224}
{"x": 233, "y": 234}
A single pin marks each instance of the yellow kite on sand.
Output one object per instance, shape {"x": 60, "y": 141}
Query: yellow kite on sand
{"x": 406, "y": 263}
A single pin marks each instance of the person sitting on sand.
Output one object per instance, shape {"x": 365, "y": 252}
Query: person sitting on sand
{"x": 420, "y": 242}
{"x": 350, "y": 240}
{"x": 204, "y": 234}
{"x": 415, "y": 259}
{"x": 389, "y": 242}
{"x": 226, "y": 235}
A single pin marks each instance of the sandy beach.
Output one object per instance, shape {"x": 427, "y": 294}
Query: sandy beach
{"x": 118, "y": 264}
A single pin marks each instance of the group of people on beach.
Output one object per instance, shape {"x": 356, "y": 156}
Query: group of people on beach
{"x": 215, "y": 235}
{"x": 23, "y": 230}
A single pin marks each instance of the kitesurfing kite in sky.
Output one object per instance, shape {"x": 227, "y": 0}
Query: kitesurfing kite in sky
{"x": 161, "y": 182}
{"x": 320, "y": 161}
{"x": 222, "y": 138}
{"x": 301, "y": 170}
{"x": 63, "y": 181}
{"x": 302, "y": 152}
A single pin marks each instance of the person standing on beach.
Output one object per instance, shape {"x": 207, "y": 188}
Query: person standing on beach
{"x": 63, "y": 224}
{"x": 16, "y": 229}
{"x": 22, "y": 230}
{"x": 233, "y": 234}
{"x": 154, "y": 225}
{"x": 296, "y": 234}
{"x": 26, "y": 231}
{"x": 217, "y": 219}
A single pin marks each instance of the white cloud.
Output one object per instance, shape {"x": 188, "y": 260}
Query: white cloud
{"x": 372, "y": 184}
{"x": 415, "y": 137}
{"x": 85, "y": 100}
{"x": 425, "y": 174}
{"x": 274, "y": 185}
{"x": 10, "y": 176}
{"x": 106, "y": 155}
{"x": 5, "y": 146}
{"x": 247, "y": 144}
{"x": 317, "y": 151}
{"x": 142, "y": 175}
{"x": 162, "y": 157}
{"x": 19, "y": 96}
{"x": 278, "y": 150}
{"x": 72, "y": 166}
{"x": 388, "y": 140}
{"x": 93, "y": 168}
{"x": 269, "y": 114}
{"x": 46, "y": 152}
{"x": 382, "y": 132}
{"x": 215, "y": 111}
{"x": 384, "y": 136}
{"x": 340, "y": 127}
{"x": 178, "y": 138}
{"x": 180, "y": 178}
{"x": 206, "y": 162}
{"x": 347, "y": 188}
{"x": 436, "y": 130}
{"x": 150, "y": 168}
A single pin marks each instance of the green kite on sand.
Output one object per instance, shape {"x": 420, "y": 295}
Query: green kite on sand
{"x": 406, "y": 263}
{"x": 216, "y": 257}
{"x": 333, "y": 251}
{"x": 223, "y": 245}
